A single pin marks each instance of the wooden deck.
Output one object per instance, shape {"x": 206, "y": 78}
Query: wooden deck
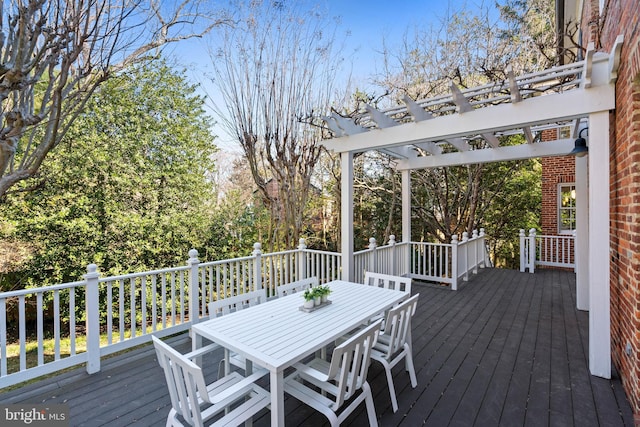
{"x": 508, "y": 348}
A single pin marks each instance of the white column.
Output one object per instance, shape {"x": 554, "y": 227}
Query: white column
{"x": 581, "y": 244}
{"x": 599, "y": 253}
{"x": 346, "y": 215}
{"x": 406, "y": 205}
{"x": 406, "y": 219}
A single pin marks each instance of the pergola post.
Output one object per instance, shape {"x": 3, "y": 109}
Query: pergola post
{"x": 346, "y": 215}
{"x": 406, "y": 217}
{"x": 599, "y": 253}
{"x": 581, "y": 242}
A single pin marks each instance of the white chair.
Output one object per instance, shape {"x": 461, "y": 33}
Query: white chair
{"x": 394, "y": 343}
{"x": 235, "y": 398}
{"x": 388, "y": 281}
{"x": 297, "y": 286}
{"x": 341, "y": 378}
{"x": 228, "y": 305}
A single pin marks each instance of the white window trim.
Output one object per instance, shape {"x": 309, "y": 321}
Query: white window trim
{"x": 559, "y": 206}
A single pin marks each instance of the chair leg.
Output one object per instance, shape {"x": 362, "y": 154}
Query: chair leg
{"x": 408, "y": 359}
{"x": 371, "y": 408}
{"x": 392, "y": 389}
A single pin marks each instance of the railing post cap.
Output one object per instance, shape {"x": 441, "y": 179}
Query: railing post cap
{"x": 482, "y": 231}
{"x": 454, "y": 238}
{"x": 532, "y": 231}
{"x": 193, "y": 254}
{"x": 392, "y": 238}
{"x": 302, "y": 243}
{"x": 522, "y": 232}
{"x": 372, "y": 243}
{"x": 257, "y": 248}
{"x": 92, "y": 271}
{"x": 475, "y": 233}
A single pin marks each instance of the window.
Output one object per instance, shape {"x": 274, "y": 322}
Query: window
{"x": 565, "y": 132}
{"x": 566, "y": 208}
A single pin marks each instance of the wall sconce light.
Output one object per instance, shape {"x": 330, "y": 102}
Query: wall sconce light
{"x": 580, "y": 149}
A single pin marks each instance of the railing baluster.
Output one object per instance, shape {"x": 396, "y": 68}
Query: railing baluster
{"x": 122, "y": 312}
{"x": 183, "y": 298}
{"x": 39, "y": 328}
{"x": 72, "y": 321}
{"x": 132, "y": 306}
{"x": 163, "y": 283}
{"x": 22, "y": 333}
{"x": 56, "y": 324}
{"x": 143, "y": 305}
{"x": 174, "y": 303}
{"x": 3, "y": 337}
{"x": 154, "y": 302}
{"x": 109, "y": 301}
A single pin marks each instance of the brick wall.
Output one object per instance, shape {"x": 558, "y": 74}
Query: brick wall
{"x": 622, "y": 17}
{"x": 555, "y": 170}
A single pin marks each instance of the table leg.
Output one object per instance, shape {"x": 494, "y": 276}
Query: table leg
{"x": 277, "y": 398}
{"x": 196, "y": 343}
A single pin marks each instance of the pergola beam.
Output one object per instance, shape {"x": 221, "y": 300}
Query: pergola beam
{"x": 538, "y": 110}
{"x": 560, "y": 147}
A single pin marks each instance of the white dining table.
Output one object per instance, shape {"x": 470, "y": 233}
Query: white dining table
{"x": 277, "y": 334}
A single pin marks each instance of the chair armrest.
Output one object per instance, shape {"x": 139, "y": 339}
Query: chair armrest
{"x": 311, "y": 372}
{"x": 239, "y": 386}
{"x": 202, "y": 350}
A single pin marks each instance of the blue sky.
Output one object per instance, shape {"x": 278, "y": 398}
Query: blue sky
{"x": 365, "y": 22}
{"x": 368, "y": 22}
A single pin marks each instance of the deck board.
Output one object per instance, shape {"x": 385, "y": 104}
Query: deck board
{"x": 507, "y": 348}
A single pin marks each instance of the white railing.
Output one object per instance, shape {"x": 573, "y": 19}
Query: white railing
{"x": 89, "y": 319}
{"x": 448, "y": 263}
{"x": 110, "y": 314}
{"x": 546, "y": 250}
{"x": 434, "y": 262}
{"x": 390, "y": 259}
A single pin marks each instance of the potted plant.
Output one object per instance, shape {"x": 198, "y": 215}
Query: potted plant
{"x": 309, "y": 297}
{"x": 324, "y": 292}
{"x": 317, "y": 295}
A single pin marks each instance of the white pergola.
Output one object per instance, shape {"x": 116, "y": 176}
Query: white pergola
{"x": 464, "y": 126}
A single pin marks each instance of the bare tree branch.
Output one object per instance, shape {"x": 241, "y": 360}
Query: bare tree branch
{"x": 55, "y": 53}
{"x": 274, "y": 71}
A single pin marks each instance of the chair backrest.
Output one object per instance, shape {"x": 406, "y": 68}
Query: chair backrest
{"x": 297, "y": 286}
{"x": 397, "y": 326}
{"x": 350, "y": 362}
{"x": 387, "y": 281}
{"x": 228, "y": 305}
{"x": 185, "y": 381}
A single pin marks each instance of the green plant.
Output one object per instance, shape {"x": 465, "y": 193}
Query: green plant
{"x": 322, "y": 290}
{"x": 309, "y": 294}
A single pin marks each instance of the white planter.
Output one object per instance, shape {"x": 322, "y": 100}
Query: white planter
{"x": 325, "y": 298}
{"x": 317, "y": 300}
{"x": 308, "y": 304}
